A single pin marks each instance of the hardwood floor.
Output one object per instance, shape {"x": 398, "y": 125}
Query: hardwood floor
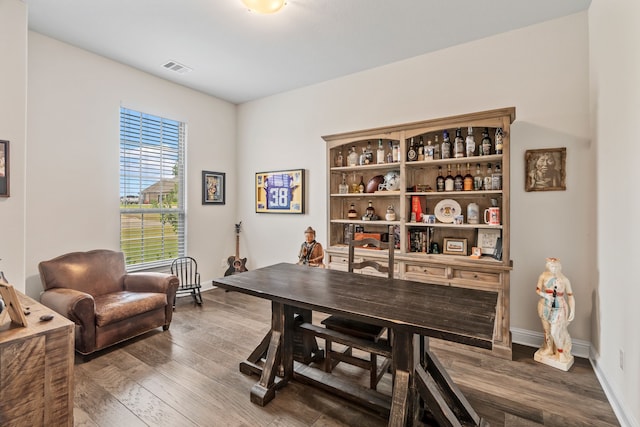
{"x": 188, "y": 376}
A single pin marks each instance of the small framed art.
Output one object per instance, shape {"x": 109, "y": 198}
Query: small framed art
{"x": 546, "y": 169}
{"x": 4, "y": 168}
{"x": 213, "y": 188}
{"x": 488, "y": 240}
{"x": 454, "y": 246}
{"x": 280, "y": 191}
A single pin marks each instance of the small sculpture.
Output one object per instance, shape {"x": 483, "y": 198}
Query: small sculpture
{"x": 556, "y": 309}
{"x": 311, "y": 252}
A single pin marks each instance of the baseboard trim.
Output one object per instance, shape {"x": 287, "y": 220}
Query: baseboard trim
{"x": 579, "y": 348}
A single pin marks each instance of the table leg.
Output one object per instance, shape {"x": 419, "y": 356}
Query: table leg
{"x": 405, "y": 359}
{"x": 279, "y": 355}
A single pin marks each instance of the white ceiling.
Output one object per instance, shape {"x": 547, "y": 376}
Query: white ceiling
{"x": 240, "y": 56}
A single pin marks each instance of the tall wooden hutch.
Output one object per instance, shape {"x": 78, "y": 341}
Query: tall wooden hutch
{"x": 414, "y": 258}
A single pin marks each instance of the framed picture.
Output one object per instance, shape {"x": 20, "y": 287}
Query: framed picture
{"x": 13, "y": 307}
{"x": 454, "y": 246}
{"x": 280, "y": 191}
{"x": 4, "y": 168}
{"x": 488, "y": 240}
{"x": 213, "y": 188}
{"x": 545, "y": 169}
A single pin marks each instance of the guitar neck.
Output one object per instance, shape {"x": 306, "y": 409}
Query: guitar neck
{"x": 237, "y": 246}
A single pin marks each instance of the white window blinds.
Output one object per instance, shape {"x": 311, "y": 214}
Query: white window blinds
{"x": 152, "y": 213}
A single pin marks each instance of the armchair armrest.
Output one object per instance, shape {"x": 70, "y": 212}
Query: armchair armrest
{"x": 150, "y": 282}
{"x": 80, "y": 308}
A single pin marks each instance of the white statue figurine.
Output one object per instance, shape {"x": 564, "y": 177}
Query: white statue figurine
{"x": 556, "y": 309}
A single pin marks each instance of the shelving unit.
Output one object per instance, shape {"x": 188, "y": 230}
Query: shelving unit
{"x": 452, "y": 270}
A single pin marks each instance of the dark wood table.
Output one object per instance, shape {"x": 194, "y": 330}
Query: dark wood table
{"x": 413, "y": 311}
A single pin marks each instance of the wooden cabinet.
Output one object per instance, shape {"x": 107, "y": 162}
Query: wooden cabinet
{"x": 36, "y": 369}
{"x": 415, "y": 259}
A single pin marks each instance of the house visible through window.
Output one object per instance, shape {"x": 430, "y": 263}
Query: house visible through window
{"x": 152, "y": 215}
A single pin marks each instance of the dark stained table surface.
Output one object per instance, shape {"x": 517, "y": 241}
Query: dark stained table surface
{"x": 456, "y": 314}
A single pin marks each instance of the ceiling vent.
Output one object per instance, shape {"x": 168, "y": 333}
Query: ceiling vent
{"x": 177, "y": 67}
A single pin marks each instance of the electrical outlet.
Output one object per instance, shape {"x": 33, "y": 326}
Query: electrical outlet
{"x": 621, "y": 359}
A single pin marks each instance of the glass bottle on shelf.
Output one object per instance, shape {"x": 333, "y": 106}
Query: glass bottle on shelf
{"x": 470, "y": 143}
{"x": 361, "y": 185}
{"x": 445, "y": 150}
{"x": 363, "y": 157}
{"x": 420, "y": 149}
{"x": 436, "y": 149}
{"x": 339, "y": 159}
{"x": 352, "y": 158}
{"x": 396, "y": 152}
{"x": 343, "y": 188}
{"x": 440, "y": 180}
{"x": 468, "y": 180}
{"x": 412, "y": 154}
{"x": 488, "y": 185}
{"x": 380, "y": 153}
{"x": 498, "y": 140}
{"x": 368, "y": 154}
{"x": 352, "y": 214}
{"x": 354, "y": 183}
{"x": 449, "y": 180}
{"x": 496, "y": 178}
{"x": 370, "y": 213}
{"x": 428, "y": 150}
{"x": 478, "y": 180}
{"x": 390, "y": 153}
{"x": 486, "y": 143}
{"x": 458, "y": 180}
{"x": 458, "y": 145}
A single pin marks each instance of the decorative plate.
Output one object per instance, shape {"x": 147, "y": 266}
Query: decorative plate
{"x": 446, "y": 209}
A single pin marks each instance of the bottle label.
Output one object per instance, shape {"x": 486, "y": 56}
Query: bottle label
{"x": 412, "y": 155}
{"x": 468, "y": 184}
{"x": 448, "y": 185}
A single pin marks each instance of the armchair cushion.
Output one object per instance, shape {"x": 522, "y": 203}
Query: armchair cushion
{"x": 107, "y": 305}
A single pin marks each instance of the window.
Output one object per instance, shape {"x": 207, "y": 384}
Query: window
{"x": 152, "y": 214}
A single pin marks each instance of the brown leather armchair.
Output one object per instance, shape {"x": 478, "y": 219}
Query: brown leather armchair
{"x": 107, "y": 304}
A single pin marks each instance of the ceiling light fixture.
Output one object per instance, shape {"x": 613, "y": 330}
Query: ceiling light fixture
{"x": 264, "y": 6}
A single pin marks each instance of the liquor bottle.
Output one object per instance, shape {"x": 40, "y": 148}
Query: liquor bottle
{"x": 343, "y": 188}
{"x": 396, "y": 152}
{"x": 390, "y": 153}
{"x": 412, "y": 154}
{"x": 468, "y": 180}
{"x": 352, "y": 158}
{"x": 421, "y": 149}
{"x": 496, "y": 178}
{"x": 428, "y": 151}
{"x": 486, "y": 143}
{"x": 354, "y": 184}
{"x": 498, "y": 140}
{"x": 361, "y": 185}
{"x": 368, "y": 154}
{"x": 478, "y": 181}
{"x": 352, "y": 212}
{"x": 339, "y": 159}
{"x": 370, "y": 213}
{"x": 362, "y": 157}
{"x": 458, "y": 145}
{"x": 380, "y": 153}
{"x": 440, "y": 180}
{"x": 487, "y": 179}
{"x": 458, "y": 180}
{"x": 445, "y": 150}
{"x": 436, "y": 149}
{"x": 470, "y": 143}
{"x": 449, "y": 180}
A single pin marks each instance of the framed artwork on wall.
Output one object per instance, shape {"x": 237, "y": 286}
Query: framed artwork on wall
{"x": 546, "y": 169}
{"x": 280, "y": 191}
{"x": 4, "y": 168}
{"x": 213, "y": 188}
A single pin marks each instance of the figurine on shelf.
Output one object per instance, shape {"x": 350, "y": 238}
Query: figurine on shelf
{"x": 311, "y": 252}
{"x": 556, "y": 308}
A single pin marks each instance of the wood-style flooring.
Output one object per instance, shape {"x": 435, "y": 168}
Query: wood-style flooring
{"x": 188, "y": 376}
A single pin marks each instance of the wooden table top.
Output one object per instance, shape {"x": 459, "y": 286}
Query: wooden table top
{"x": 456, "y": 314}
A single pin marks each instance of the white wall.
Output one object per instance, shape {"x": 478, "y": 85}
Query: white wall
{"x": 542, "y": 70}
{"x": 13, "y": 127}
{"x": 615, "y": 110}
{"x": 73, "y": 156}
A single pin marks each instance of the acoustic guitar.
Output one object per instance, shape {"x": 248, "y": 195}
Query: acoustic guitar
{"x": 236, "y": 264}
